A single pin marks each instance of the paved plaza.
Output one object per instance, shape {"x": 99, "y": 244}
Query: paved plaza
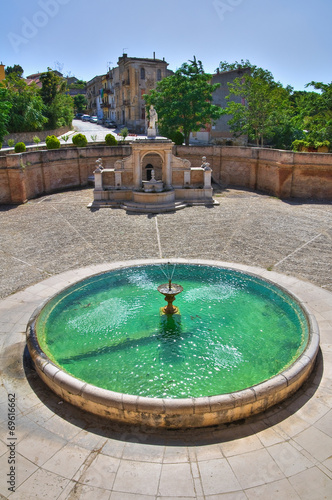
{"x": 62, "y": 453}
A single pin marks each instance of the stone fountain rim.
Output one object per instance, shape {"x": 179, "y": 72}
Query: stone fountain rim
{"x": 182, "y": 412}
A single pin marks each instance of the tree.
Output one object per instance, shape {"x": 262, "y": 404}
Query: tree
{"x": 17, "y": 69}
{"x": 264, "y": 103}
{"x": 52, "y": 84}
{"x": 80, "y": 103}
{"x": 58, "y": 105}
{"x": 123, "y": 133}
{"x": 315, "y": 111}
{"x": 5, "y": 107}
{"x": 184, "y": 100}
{"x": 26, "y": 105}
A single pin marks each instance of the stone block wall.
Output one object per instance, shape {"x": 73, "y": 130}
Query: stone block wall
{"x": 284, "y": 174}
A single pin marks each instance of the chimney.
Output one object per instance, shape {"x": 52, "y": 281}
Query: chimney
{"x": 154, "y": 55}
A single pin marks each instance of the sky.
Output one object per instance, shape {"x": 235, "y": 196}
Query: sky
{"x": 83, "y": 38}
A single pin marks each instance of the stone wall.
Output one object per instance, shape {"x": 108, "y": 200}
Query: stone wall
{"x": 284, "y": 174}
{"x": 31, "y": 174}
{"x": 27, "y": 137}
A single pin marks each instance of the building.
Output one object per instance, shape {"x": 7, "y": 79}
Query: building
{"x": 93, "y": 96}
{"x": 220, "y": 131}
{"x": 118, "y": 95}
{"x": 107, "y": 94}
{"x": 129, "y": 81}
{"x": 2, "y": 72}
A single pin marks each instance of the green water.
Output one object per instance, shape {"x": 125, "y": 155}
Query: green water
{"x": 234, "y": 332}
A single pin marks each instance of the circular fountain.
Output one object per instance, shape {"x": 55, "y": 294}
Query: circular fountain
{"x": 235, "y": 346}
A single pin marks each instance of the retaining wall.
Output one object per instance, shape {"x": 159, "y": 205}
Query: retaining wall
{"x": 284, "y": 174}
{"x": 27, "y": 137}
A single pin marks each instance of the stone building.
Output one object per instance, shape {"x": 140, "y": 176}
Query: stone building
{"x": 220, "y": 131}
{"x": 2, "y": 72}
{"x": 128, "y": 82}
{"x": 93, "y": 88}
{"x": 108, "y": 94}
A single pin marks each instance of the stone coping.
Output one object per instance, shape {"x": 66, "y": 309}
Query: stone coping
{"x": 187, "y": 412}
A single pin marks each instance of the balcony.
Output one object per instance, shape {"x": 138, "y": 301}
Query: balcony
{"x": 126, "y": 102}
{"x": 126, "y": 82}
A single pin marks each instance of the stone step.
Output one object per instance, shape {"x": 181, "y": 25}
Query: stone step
{"x": 131, "y": 206}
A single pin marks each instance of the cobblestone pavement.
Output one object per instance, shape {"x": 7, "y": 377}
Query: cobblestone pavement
{"x": 56, "y": 233}
{"x": 62, "y": 453}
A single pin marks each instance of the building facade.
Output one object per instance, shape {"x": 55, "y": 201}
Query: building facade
{"x": 220, "y": 131}
{"x": 93, "y": 96}
{"x": 2, "y": 72}
{"x": 130, "y": 80}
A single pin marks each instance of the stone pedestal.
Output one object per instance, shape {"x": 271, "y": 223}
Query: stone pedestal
{"x": 152, "y": 133}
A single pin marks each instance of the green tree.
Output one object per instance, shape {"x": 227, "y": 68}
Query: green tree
{"x": 59, "y": 107}
{"x": 265, "y": 104}
{"x": 315, "y": 112}
{"x": 17, "y": 69}
{"x": 27, "y": 107}
{"x": 5, "y": 107}
{"x": 80, "y": 103}
{"x": 184, "y": 100}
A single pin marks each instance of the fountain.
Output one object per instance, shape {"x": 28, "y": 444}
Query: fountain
{"x": 170, "y": 290}
{"x": 240, "y": 345}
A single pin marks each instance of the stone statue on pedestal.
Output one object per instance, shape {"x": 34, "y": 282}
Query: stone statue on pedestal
{"x": 153, "y": 117}
{"x": 152, "y": 132}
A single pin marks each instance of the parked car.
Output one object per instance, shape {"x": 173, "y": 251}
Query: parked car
{"x": 79, "y": 116}
{"x": 100, "y": 121}
{"x": 93, "y": 119}
{"x": 86, "y": 118}
{"x": 109, "y": 124}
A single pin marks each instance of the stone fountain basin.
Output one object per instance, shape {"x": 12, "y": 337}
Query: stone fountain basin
{"x": 176, "y": 413}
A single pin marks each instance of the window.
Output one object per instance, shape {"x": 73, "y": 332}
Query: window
{"x": 158, "y": 75}
{"x": 142, "y": 74}
{"x": 143, "y": 114}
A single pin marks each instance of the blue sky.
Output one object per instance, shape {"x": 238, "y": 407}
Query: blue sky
{"x": 291, "y": 38}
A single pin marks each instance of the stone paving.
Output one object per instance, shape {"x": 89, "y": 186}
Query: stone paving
{"x": 63, "y": 453}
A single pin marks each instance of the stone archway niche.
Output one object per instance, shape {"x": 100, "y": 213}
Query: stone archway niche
{"x": 174, "y": 183}
{"x": 152, "y": 161}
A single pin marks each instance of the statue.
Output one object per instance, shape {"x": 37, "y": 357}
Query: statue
{"x": 153, "y": 117}
{"x": 205, "y": 165}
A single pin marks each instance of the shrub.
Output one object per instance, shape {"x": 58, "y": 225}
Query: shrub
{"x": 322, "y": 144}
{"x": 124, "y": 133}
{"x": 36, "y": 139}
{"x": 52, "y": 142}
{"x": 80, "y": 140}
{"x": 10, "y": 142}
{"x": 110, "y": 140}
{"x": 299, "y": 145}
{"x": 177, "y": 137}
{"x": 20, "y": 147}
